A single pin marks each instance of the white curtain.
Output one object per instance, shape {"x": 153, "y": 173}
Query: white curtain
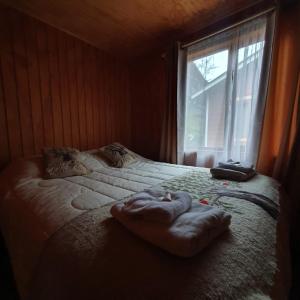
{"x": 222, "y": 101}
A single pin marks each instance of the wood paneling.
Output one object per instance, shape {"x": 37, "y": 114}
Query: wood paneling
{"x": 136, "y": 26}
{"x": 56, "y": 90}
{"x": 148, "y": 104}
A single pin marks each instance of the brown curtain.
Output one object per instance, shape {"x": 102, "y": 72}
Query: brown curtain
{"x": 279, "y": 126}
{"x": 168, "y": 145}
{"x": 292, "y": 187}
{"x": 291, "y": 180}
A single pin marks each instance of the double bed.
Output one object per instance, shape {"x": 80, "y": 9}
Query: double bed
{"x": 64, "y": 244}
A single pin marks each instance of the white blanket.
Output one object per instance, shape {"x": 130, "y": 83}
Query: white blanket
{"x": 33, "y": 211}
{"x": 186, "y": 236}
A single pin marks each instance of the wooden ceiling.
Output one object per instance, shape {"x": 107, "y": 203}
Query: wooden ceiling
{"x": 129, "y": 27}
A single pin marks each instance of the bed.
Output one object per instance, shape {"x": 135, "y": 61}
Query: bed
{"x": 64, "y": 244}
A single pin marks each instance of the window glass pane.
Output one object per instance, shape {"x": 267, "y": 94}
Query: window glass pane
{"x": 247, "y": 86}
{"x": 250, "y": 53}
{"x": 212, "y": 66}
{"x": 205, "y": 101}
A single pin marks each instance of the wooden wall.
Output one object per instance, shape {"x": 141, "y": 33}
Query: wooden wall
{"x": 148, "y": 101}
{"x": 56, "y": 90}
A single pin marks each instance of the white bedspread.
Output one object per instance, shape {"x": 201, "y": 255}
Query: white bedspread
{"x": 33, "y": 209}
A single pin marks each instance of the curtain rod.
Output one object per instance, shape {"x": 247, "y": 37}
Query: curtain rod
{"x": 229, "y": 27}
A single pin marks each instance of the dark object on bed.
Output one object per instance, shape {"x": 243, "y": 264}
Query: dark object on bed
{"x": 236, "y": 166}
{"x": 232, "y": 170}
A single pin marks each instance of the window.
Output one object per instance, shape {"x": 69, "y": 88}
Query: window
{"x": 205, "y": 106}
{"x": 224, "y": 97}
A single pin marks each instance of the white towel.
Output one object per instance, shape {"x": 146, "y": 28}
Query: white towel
{"x": 186, "y": 236}
{"x": 157, "y": 206}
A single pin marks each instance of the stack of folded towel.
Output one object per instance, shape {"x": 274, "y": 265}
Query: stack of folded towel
{"x": 171, "y": 222}
{"x": 233, "y": 171}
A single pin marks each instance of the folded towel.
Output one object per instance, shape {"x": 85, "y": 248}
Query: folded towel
{"x": 236, "y": 166}
{"x": 221, "y": 173}
{"x": 186, "y": 236}
{"x": 157, "y": 206}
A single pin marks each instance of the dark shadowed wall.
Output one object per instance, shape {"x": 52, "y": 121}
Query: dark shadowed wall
{"x": 148, "y": 100}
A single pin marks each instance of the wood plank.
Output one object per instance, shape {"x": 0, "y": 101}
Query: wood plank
{"x": 128, "y": 102}
{"x": 46, "y": 97}
{"x": 4, "y": 148}
{"x": 104, "y": 100}
{"x": 101, "y": 99}
{"x": 120, "y": 96}
{"x": 64, "y": 92}
{"x": 108, "y": 103}
{"x": 81, "y": 95}
{"x": 34, "y": 84}
{"x": 88, "y": 94}
{"x": 125, "y": 108}
{"x": 71, "y": 69}
{"x": 55, "y": 87}
{"x": 95, "y": 99}
{"x": 112, "y": 106}
{"x": 115, "y": 100}
{"x": 21, "y": 67}
{"x": 9, "y": 86}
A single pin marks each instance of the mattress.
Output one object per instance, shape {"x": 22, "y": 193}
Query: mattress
{"x": 46, "y": 221}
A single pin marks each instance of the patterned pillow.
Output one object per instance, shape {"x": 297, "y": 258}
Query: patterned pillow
{"x": 117, "y": 155}
{"x": 63, "y": 162}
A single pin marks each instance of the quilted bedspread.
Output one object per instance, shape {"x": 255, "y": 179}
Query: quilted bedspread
{"x": 65, "y": 245}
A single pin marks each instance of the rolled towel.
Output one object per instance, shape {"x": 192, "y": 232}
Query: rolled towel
{"x": 186, "y": 236}
{"x": 162, "y": 208}
{"x": 267, "y": 204}
{"x": 221, "y": 173}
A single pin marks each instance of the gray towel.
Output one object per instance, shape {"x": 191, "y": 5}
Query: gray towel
{"x": 229, "y": 174}
{"x": 237, "y": 167}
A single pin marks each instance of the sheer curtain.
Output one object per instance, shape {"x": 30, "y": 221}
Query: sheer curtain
{"x": 223, "y": 97}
